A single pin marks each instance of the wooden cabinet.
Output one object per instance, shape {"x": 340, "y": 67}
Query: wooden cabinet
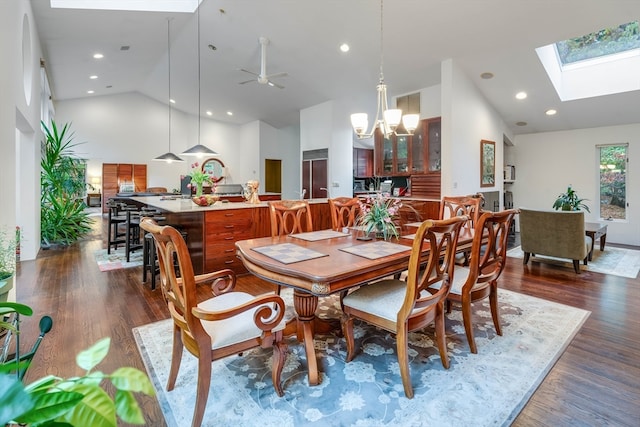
{"x": 362, "y": 163}
{"x": 409, "y": 155}
{"x": 116, "y": 174}
{"x": 222, "y": 230}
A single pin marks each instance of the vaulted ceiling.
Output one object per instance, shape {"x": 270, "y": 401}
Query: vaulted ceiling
{"x": 496, "y": 36}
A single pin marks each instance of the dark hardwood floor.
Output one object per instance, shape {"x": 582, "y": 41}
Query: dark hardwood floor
{"x": 596, "y": 381}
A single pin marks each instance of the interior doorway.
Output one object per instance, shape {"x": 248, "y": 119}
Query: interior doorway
{"x": 273, "y": 176}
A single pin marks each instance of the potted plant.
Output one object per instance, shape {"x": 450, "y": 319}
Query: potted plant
{"x": 78, "y": 401}
{"x": 378, "y": 214}
{"x": 7, "y": 262}
{"x": 570, "y": 201}
{"x": 62, "y": 181}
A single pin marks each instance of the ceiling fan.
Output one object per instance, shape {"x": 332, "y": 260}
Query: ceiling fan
{"x": 264, "y": 78}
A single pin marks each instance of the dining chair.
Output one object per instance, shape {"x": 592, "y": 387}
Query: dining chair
{"x": 230, "y": 322}
{"x": 344, "y": 212}
{"x": 479, "y": 279}
{"x": 289, "y": 217}
{"x": 401, "y": 307}
{"x": 470, "y": 206}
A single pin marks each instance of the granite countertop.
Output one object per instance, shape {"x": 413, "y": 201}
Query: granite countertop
{"x": 176, "y": 204}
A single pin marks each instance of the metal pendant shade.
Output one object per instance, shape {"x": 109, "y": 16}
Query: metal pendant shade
{"x": 199, "y": 149}
{"x": 169, "y": 157}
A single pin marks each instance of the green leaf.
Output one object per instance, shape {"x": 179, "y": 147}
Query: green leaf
{"x": 90, "y": 357}
{"x": 25, "y": 310}
{"x": 127, "y": 408}
{"x": 14, "y": 400}
{"x": 42, "y": 383}
{"x": 94, "y": 378}
{"x": 49, "y": 406}
{"x": 95, "y": 410}
{"x": 132, "y": 379}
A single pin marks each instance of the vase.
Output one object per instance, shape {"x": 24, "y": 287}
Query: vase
{"x": 199, "y": 189}
{"x": 380, "y": 232}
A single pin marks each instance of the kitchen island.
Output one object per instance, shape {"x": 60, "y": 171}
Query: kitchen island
{"x": 213, "y": 230}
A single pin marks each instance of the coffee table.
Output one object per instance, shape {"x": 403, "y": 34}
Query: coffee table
{"x": 596, "y": 230}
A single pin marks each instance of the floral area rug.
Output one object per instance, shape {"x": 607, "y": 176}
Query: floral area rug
{"x": 615, "y": 261}
{"x": 485, "y": 389}
{"x": 117, "y": 259}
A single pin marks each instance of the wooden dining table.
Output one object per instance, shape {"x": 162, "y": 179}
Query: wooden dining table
{"x": 322, "y": 263}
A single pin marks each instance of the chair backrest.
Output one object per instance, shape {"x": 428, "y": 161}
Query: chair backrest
{"x": 442, "y": 238}
{"x": 156, "y": 190}
{"x": 451, "y": 206}
{"x": 179, "y": 290}
{"x": 344, "y": 212}
{"x": 489, "y": 247}
{"x": 290, "y": 216}
{"x": 554, "y": 233}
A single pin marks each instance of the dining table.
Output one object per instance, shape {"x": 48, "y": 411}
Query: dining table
{"x": 322, "y": 263}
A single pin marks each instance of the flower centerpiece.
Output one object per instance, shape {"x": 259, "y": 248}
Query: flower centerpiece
{"x": 378, "y": 213}
{"x": 199, "y": 178}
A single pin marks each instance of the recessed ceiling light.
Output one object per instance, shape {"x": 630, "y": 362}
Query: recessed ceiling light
{"x": 521, "y": 95}
{"x": 98, "y": 56}
{"x": 344, "y": 47}
{"x": 209, "y": 113}
{"x": 521, "y": 123}
{"x": 90, "y": 91}
{"x": 486, "y": 76}
{"x": 93, "y": 77}
{"x": 229, "y": 113}
{"x": 550, "y": 112}
{"x": 171, "y": 100}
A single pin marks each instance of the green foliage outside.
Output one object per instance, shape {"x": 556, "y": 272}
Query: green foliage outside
{"x": 7, "y": 254}
{"x": 62, "y": 180}
{"x": 600, "y": 43}
{"x": 613, "y": 182}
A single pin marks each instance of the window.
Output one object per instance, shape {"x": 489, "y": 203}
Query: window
{"x": 613, "y": 181}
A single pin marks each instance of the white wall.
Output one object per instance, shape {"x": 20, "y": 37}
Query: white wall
{"x": 284, "y": 145}
{"x": 546, "y": 163}
{"x": 20, "y": 125}
{"x": 467, "y": 118}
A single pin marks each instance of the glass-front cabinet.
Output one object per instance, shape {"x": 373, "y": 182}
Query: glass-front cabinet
{"x": 409, "y": 155}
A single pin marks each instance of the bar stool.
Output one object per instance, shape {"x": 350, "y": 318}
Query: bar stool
{"x": 116, "y": 218}
{"x": 150, "y": 256}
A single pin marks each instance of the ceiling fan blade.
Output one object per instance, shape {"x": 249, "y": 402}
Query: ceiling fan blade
{"x": 250, "y": 72}
{"x": 270, "y": 83}
{"x": 247, "y": 81}
{"x": 270, "y": 76}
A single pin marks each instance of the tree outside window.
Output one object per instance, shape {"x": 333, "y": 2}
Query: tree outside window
{"x": 613, "y": 182}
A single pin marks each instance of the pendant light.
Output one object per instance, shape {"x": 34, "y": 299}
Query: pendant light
{"x": 199, "y": 150}
{"x": 169, "y": 157}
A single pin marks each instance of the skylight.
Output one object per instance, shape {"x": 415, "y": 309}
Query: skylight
{"x": 605, "y": 42}
{"x": 133, "y": 5}
{"x": 596, "y": 64}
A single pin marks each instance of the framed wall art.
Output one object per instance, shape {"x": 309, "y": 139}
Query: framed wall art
{"x": 487, "y": 163}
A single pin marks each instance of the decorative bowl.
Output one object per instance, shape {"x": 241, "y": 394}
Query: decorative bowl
{"x": 204, "y": 200}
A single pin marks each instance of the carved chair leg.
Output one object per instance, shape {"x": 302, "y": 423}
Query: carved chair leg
{"x": 347, "y": 331}
{"x": 468, "y": 326}
{"x": 403, "y": 361}
{"x": 441, "y": 335}
{"x": 202, "y": 393}
{"x": 279, "y": 359}
{"x": 493, "y": 301}
{"x": 576, "y": 265}
{"x": 176, "y": 358}
{"x": 525, "y": 259}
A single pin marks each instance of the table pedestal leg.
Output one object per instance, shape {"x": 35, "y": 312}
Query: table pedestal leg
{"x": 305, "y": 305}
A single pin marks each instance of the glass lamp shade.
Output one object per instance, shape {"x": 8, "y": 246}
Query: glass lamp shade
{"x": 169, "y": 157}
{"x": 410, "y": 122}
{"x": 199, "y": 150}
{"x": 392, "y": 117}
{"x": 359, "y": 121}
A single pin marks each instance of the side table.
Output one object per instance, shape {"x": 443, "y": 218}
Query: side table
{"x": 596, "y": 230}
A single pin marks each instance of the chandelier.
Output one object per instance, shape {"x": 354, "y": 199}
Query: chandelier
{"x": 387, "y": 120}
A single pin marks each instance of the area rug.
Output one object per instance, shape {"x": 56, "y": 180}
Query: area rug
{"x": 485, "y": 389}
{"x": 615, "y": 261}
{"x": 117, "y": 259}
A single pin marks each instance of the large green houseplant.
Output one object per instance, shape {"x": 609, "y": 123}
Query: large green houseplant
{"x": 570, "y": 201}
{"x": 78, "y": 401}
{"x": 62, "y": 180}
